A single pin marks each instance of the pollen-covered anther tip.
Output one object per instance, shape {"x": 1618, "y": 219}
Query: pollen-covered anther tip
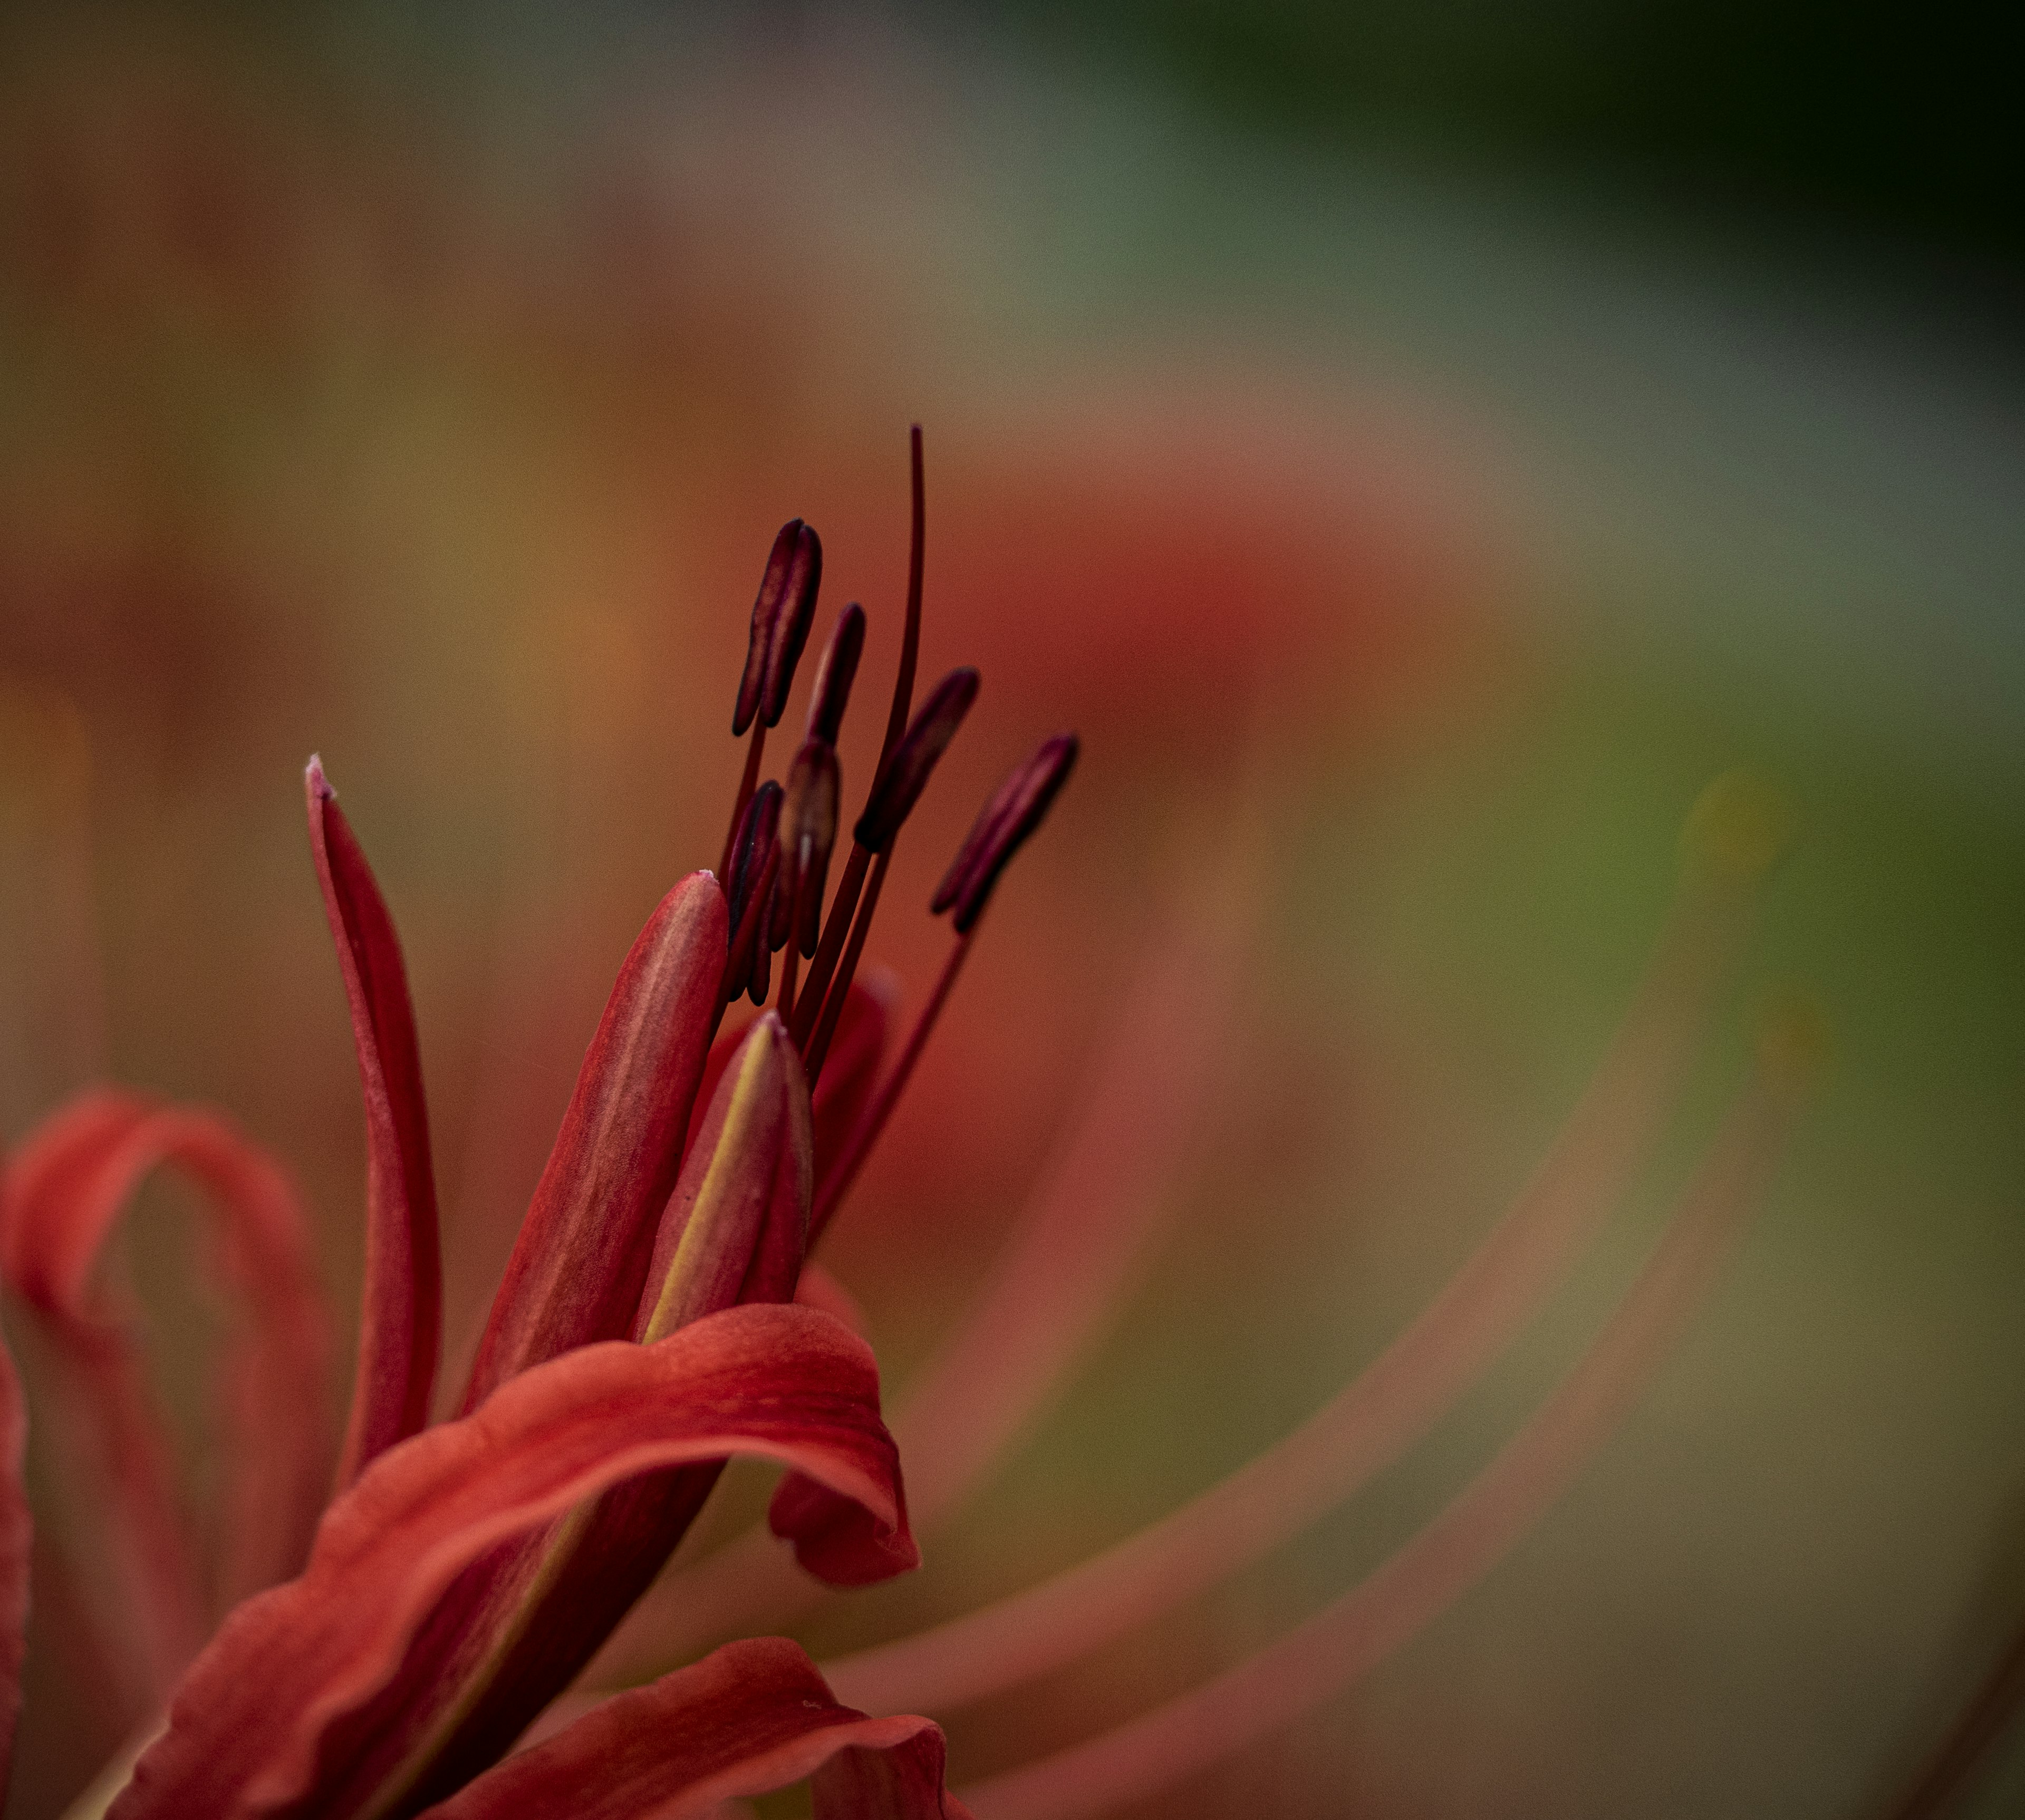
{"x": 905, "y": 775}
{"x": 830, "y": 692}
{"x": 1738, "y": 828}
{"x": 1796, "y": 1045}
{"x": 1016, "y": 807}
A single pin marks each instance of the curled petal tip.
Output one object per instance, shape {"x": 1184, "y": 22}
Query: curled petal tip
{"x": 831, "y": 691}
{"x": 1739, "y": 827}
{"x": 1016, "y": 809}
{"x": 905, "y": 775}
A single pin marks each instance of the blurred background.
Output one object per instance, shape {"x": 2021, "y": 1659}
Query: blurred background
{"x": 1468, "y": 429}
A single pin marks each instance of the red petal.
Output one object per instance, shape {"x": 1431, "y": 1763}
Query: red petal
{"x": 65, "y": 1190}
{"x": 732, "y": 1231}
{"x": 315, "y": 1692}
{"x": 400, "y": 1310}
{"x": 16, "y": 1540}
{"x": 749, "y": 1719}
{"x": 849, "y": 1074}
{"x": 841, "y": 1542}
{"x": 578, "y": 1267}
{"x": 739, "y": 1216}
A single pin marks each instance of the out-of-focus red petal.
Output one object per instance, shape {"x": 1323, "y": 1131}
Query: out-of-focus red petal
{"x": 16, "y": 1544}
{"x": 577, "y": 1269}
{"x": 400, "y": 1323}
{"x": 66, "y": 1188}
{"x": 750, "y": 1718}
{"x": 313, "y": 1696}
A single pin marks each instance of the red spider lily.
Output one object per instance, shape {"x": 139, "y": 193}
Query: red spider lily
{"x": 646, "y": 1330}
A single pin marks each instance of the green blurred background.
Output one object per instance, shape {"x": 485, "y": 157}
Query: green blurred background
{"x": 1494, "y": 424}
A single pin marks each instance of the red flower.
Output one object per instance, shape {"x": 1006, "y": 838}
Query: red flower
{"x": 646, "y": 1330}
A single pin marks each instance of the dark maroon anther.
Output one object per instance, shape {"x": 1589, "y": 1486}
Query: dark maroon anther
{"x": 1016, "y": 809}
{"x": 785, "y": 604}
{"x": 808, "y": 833}
{"x": 749, "y": 851}
{"x": 905, "y": 774}
{"x": 766, "y": 609}
{"x": 791, "y": 625}
{"x": 831, "y": 688}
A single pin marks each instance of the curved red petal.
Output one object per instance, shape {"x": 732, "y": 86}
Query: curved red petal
{"x": 581, "y": 1259}
{"x": 400, "y": 1323}
{"x": 750, "y": 1718}
{"x": 311, "y": 1697}
{"x": 838, "y": 1541}
{"x": 65, "y": 1189}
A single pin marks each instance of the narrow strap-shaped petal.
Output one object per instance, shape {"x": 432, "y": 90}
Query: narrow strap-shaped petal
{"x": 748, "y": 1178}
{"x": 313, "y": 1694}
{"x": 753, "y": 1717}
{"x": 400, "y": 1323}
{"x": 732, "y": 1231}
{"x": 65, "y": 1189}
{"x": 578, "y": 1266}
{"x": 849, "y": 1074}
{"x": 16, "y": 1543}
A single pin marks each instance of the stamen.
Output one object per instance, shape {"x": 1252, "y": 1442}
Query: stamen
{"x": 756, "y": 838}
{"x": 813, "y": 997}
{"x": 808, "y": 830}
{"x": 830, "y": 691}
{"x": 809, "y": 1007}
{"x": 865, "y": 1134}
{"x": 1348, "y": 1639}
{"x": 812, "y": 1058}
{"x": 781, "y": 615}
{"x": 906, "y": 770}
{"x": 1014, "y": 812}
{"x": 747, "y": 782}
{"x": 910, "y": 638}
{"x": 738, "y": 967}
